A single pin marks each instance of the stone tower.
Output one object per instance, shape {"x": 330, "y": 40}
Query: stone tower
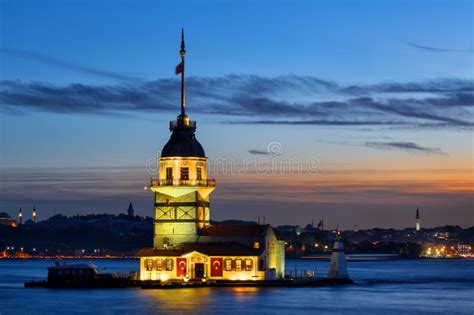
{"x": 182, "y": 188}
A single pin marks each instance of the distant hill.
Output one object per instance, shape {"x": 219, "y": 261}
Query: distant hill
{"x": 110, "y": 233}
{"x": 125, "y": 234}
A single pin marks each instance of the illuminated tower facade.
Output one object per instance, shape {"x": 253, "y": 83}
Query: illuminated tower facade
{"x": 417, "y": 220}
{"x": 182, "y": 189}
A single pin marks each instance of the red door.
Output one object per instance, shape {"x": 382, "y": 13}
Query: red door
{"x": 216, "y": 267}
{"x": 181, "y": 267}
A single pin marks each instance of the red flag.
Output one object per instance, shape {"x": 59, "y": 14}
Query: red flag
{"x": 181, "y": 267}
{"x": 320, "y": 224}
{"x": 179, "y": 68}
{"x": 216, "y": 267}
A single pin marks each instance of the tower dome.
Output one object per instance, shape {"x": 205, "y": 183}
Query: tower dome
{"x": 183, "y": 142}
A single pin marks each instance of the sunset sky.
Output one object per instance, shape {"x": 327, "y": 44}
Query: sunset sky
{"x": 371, "y": 100}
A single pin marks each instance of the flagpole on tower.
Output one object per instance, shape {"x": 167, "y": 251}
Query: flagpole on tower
{"x": 182, "y": 52}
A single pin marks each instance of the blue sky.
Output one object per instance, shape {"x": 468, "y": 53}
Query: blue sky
{"x": 346, "y": 41}
{"x": 359, "y": 85}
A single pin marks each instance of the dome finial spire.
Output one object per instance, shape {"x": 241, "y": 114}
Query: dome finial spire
{"x": 183, "y": 120}
{"x": 182, "y": 52}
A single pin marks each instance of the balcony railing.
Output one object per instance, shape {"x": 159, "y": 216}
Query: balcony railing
{"x": 183, "y": 182}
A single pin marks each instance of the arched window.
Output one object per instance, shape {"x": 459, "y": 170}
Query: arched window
{"x": 148, "y": 264}
{"x": 228, "y": 265}
{"x": 159, "y": 264}
{"x": 169, "y": 264}
{"x": 169, "y": 173}
{"x": 184, "y": 173}
{"x": 248, "y": 264}
{"x": 238, "y": 264}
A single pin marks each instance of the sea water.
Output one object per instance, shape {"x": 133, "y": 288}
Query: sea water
{"x": 382, "y": 287}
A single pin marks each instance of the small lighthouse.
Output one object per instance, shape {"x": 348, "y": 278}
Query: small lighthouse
{"x": 338, "y": 266}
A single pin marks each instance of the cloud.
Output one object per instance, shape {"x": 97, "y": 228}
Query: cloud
{"x": 258, "y": 152}
{"x": 392, "y": 145}
{"x": 252, "y": 99}
{"x": 440, "y": 50}
{"x": 405, "y": 146}
{"x": 433, "y": 86}
{"x": 80, "y": 98}
{"x": 65, "y": 64}
{"x": 318, "y": 122}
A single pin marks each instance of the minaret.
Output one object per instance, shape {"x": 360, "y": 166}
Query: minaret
{"x": 33, "y": 215}
{"x": 20, "y": 217}
{"x": 182, "y": 189}
{"x": 338, "y": 265}
{"x": 417, "y": 220}
{"x": 130, "y": 210}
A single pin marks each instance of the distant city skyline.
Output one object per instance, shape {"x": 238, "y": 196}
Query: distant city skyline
{"x": 111, "y": 190}
{"x": 378, "y": 94}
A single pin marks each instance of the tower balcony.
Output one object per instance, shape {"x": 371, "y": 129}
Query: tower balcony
{"x": 183, "y": 124}
{"x": 155, "y": 183}
{"x": 180, "y": 187}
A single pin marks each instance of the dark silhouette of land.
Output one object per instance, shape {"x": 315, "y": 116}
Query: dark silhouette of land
{"x": 124, "y": 234}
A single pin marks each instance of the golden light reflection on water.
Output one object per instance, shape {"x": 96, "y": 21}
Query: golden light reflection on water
{"x": 241, "y": 293}
{"x": 240, "y": 290}
{"x": 196, "y": 299}
{"x": 192, "y": 299}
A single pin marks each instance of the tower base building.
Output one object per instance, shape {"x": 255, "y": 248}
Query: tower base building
{"x": 222, "y": 252}
{"x": 185, "y": 245}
